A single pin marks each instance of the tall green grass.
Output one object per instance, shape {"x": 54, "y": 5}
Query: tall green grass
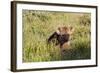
{"x": 39, "y": 25}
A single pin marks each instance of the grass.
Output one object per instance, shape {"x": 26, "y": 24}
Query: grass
{"x": 39, "y": 25}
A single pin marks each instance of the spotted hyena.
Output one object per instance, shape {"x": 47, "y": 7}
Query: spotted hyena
{"x": 61, "y": 37}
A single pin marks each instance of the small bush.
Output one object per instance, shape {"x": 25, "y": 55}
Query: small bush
{"x": 85, "y": 20}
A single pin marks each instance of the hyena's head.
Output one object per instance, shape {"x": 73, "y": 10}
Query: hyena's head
{"x": 65, "y": 30}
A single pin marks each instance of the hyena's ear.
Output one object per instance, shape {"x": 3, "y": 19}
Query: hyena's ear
{"x": 71, "y": 30}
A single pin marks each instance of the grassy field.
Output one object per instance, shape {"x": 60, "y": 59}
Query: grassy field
{"x": 39, "y": 25}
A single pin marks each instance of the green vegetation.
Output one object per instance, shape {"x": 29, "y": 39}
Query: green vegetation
{"x": 39, "y": 25}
